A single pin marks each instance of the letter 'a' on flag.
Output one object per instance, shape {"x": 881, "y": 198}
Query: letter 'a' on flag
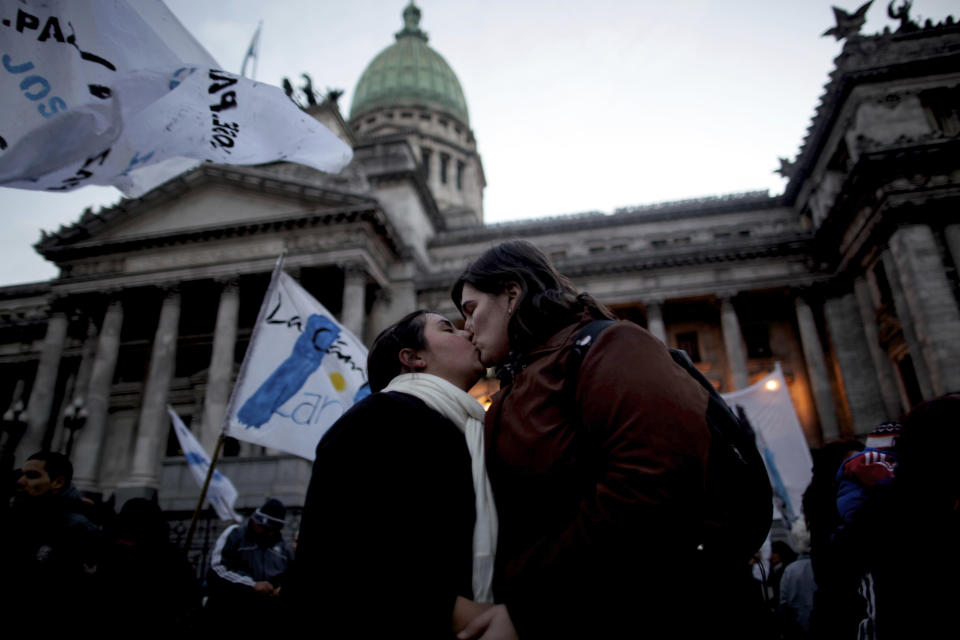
{"x": 221, "y": 494}
{"x": 302, "y": 371}
{"x": 119, "y": 93}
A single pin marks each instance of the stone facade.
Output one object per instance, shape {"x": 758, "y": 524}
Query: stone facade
{"x": 848, "y": 279}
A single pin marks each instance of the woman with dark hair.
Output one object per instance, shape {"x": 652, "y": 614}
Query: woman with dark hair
{"x": 399, "y": 524}
{"x": 598, "y": 466}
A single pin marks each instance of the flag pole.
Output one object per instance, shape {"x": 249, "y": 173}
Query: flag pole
{"x": 203, "y": 493}
{"x": 277, "y": 270}
{"x": 256, "y": 58}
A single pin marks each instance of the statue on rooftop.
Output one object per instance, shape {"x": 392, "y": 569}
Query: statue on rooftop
{"x": 307, "y": 89}
{"x": 786, "y": 168}
{"x": 902, "y": 13}
{"x": 848, "y": 25}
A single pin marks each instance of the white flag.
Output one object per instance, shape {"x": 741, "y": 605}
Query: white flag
{"x": 780, "y": 437}
{"x": 119, "y": 93}
{"x": 302, "y": 371}
{"x": 221, "y": 494}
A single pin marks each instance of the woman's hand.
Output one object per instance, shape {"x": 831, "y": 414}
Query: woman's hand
{"x": 492, "y": 624}
{"x": 465, "y": 610}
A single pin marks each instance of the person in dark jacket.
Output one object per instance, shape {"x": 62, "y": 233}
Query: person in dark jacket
{"x": 598, "y": 469}
{"x": 398, "y": 528}
{"x": 248, "y": 567}
{"x": 142, "y": 573}
{"x": 49, "y": 548}
{"x": 919, "y": 526}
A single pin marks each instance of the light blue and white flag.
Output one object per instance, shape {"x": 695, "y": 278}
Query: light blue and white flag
{"x": 253, "y": 53}
{"x": 117, "y": 92}
{"x": 221, "y": 494}
{"x": 302, "y": 371}
{"x": 780, "y": 438}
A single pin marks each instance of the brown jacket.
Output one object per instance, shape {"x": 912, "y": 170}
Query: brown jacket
{"x": 599, "y": 484}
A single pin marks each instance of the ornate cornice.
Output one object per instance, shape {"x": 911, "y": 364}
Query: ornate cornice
{"x": 793, "y": 245}
{"x": 591, "y": 220}
{"x": 871, "y": 59}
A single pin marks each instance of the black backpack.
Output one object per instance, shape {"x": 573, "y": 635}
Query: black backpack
{"x": 739, "y": 497}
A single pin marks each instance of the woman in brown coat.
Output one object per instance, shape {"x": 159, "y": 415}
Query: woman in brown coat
{"x": 598, "y": 467}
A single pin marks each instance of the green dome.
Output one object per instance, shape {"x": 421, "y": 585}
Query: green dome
{"x": 409, "y": 71}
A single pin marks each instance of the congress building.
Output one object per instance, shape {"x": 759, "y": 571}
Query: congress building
{"x": 848, "y": 279}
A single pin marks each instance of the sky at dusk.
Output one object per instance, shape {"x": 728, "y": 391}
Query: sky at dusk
{"x": 575, "y": 105}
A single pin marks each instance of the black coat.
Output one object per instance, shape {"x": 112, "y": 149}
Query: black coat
{"x": 387, "y": 529}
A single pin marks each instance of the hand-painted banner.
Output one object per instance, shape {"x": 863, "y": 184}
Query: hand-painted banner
{"x": 221, "y": 494}
{"x": 780, "y": 438}
{"x": 302, "y": 371}
{"x": 113, "y": 92}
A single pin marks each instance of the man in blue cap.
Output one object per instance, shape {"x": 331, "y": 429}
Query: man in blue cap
{"x": 247, "y": 569}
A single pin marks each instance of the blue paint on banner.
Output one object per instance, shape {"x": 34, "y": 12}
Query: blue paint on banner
{"x": 307, "y": 354}
{"x": 362, "y": 392}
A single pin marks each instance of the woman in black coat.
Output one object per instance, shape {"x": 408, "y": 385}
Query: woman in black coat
{"x": 390, "y": 532}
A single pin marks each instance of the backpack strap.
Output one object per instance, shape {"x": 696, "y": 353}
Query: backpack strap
{"x": 578, "y": 351}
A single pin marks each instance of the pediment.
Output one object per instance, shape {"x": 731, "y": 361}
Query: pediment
{"x": 207, "y": 206}
{"x": 209, "y": 198}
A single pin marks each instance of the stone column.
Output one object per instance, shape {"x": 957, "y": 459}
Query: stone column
{"x": 952, "y": 235}
{"x": 81, "y": 381}
{"x": 354, "y": 293}
{"x": 733, "y": 341}
{"x": 902, "y": 308}
{"x": 40, "y": 404}
{"x": 655, "y": 320}
{"x": 881, "y": 361}
{"x": 817, "y": 371}
{"x": 87, "y": 449}
{"x": 154, "y": 423}
{"x": 931, "y": 303}
{"x": 378, "y": 320}
{"x": 220, "y": 375}
{"x": 856, "y": 368}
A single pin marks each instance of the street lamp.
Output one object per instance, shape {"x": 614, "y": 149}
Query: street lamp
{"x": 74, "y": 417}
{"x": 14, "y": 424}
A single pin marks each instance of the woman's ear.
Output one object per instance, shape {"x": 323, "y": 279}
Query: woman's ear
{"x": 513, "y": 291}
{"x": 411, "y": 359}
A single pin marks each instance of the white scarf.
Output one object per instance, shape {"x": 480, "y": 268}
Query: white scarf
{"x": 462, "y": 410}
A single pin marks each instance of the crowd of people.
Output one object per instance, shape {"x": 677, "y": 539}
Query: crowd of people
{"x": 577, "y": 506}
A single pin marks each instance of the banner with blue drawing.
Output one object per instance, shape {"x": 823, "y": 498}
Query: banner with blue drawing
{"x": 302, "y": 371}
{"x": 120, "y": 93}
{"x": 221, "y": 494}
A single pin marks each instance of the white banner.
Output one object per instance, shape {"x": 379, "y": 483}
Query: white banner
{"x": 780, "y": 437}
{"x": 302, "y": 371}
{"x": 221, "y": 494}
{"x": 112, "y": 92}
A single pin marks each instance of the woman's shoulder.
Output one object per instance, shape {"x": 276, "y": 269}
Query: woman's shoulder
{"x": 628, "y": 353}
{"x": 619, "y": 335}
{"x": 383, "y": 415}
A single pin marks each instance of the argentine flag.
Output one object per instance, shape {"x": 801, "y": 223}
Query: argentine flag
{"x": 221, "y": 494}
